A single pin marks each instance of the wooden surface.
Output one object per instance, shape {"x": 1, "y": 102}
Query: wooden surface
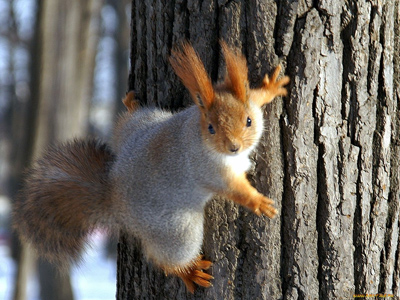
{"x": 329, "y": 155}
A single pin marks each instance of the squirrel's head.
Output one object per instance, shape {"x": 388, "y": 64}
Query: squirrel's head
{"x": 230, "y": 121}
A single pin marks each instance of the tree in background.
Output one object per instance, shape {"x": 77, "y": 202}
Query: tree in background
{"x": 62, "y": 80}
{"x": 50, "y": 101}
{"x": 329, "y": 156}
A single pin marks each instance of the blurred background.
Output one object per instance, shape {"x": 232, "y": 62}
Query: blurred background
{"x": 63, "y": 71}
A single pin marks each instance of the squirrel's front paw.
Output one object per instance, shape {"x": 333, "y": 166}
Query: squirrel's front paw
{"x": 264, "y": 205}
{"x": 274, "y": 86}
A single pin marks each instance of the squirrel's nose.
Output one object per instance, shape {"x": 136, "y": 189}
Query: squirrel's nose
{"x": 234, "y": 148}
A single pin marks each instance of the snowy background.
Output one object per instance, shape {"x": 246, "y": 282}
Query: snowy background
{"x": 96, "y": 277}
{"x": 93, "y": 280}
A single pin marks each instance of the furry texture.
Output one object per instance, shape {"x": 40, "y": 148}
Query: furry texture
{"x": 270, "y": 88}
{"x": 130, "y": 103}
{"x": 236, "y": 66}
{"x": 166, "y": 167}
{"x": 188, "y": 66}
{"x": 66, "y": 194}
{"x": 169, "y": 165}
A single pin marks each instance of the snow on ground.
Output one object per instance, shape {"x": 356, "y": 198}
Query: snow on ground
{"x": 7, "y": 269}
{"x": 95, "y": 279}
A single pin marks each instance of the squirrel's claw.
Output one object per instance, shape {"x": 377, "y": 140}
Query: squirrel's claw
{"x": 271, "y": 88}
{"x": 201, "y": 278}
{"x": 274, "y": 86}
{"x": 194, "y": 274}
{"x": 265, "y": 207}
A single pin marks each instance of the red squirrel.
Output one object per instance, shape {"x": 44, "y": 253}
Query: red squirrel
{"x": 156, "y": 175}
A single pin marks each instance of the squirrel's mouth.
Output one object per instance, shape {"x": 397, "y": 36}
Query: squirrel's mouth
{"x": 233, "y": 148}
{"x": 233, "y": 153}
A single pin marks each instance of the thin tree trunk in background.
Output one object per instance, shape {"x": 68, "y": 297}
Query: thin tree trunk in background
{"x": 62, "y": 81}
{"x": 329, "y": 156}
{"x": 22, "y": 119}
{"x": 70, "y": 34}
{"x": 121, "y": 51}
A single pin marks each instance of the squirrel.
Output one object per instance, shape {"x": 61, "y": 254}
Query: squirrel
{"x": 156, "y": 175}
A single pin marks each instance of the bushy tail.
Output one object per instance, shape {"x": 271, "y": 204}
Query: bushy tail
{"x": 65, "y": 196}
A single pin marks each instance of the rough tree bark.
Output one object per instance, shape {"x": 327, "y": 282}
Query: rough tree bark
{"x": 329, "y": 157}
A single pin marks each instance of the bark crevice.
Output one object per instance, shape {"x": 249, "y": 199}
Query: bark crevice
{"x": 331, "y": 149}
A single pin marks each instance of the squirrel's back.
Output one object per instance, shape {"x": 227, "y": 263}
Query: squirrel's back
{"x": 67, "y": 188}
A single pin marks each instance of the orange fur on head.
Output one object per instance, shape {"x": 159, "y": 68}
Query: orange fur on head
{"x": 236, "y": 79}
{"x": 189, "y": 68}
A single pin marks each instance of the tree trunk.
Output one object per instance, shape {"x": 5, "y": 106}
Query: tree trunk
{"x": 121, "y": 50}
{"x": 70, "y": 31}
{"x": 22, "y": 120}
{"x": 61, "y": 79}
{"x": 329, "y": 156}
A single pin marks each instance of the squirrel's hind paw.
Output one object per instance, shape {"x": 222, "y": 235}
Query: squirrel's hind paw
{"x": 198, "y": 277}
{"x": 194, "y": 274}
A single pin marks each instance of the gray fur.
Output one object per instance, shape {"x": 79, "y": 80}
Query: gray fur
{"x": 169, "y": 186}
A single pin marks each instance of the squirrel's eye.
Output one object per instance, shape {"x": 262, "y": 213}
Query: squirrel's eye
{"x": 248, "y": 124}
{"x": 211, "y": 129}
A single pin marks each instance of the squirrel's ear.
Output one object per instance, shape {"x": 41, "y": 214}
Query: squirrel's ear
{"x": 236, "y": 78}
{"x": 189, "y": 68}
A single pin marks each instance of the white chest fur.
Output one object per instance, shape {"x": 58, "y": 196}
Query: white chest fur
{"x": 239, "y": 163}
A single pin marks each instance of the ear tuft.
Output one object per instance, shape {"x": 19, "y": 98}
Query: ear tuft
{"x": 189, "y": 68}
{"x": 236, "y": 79}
